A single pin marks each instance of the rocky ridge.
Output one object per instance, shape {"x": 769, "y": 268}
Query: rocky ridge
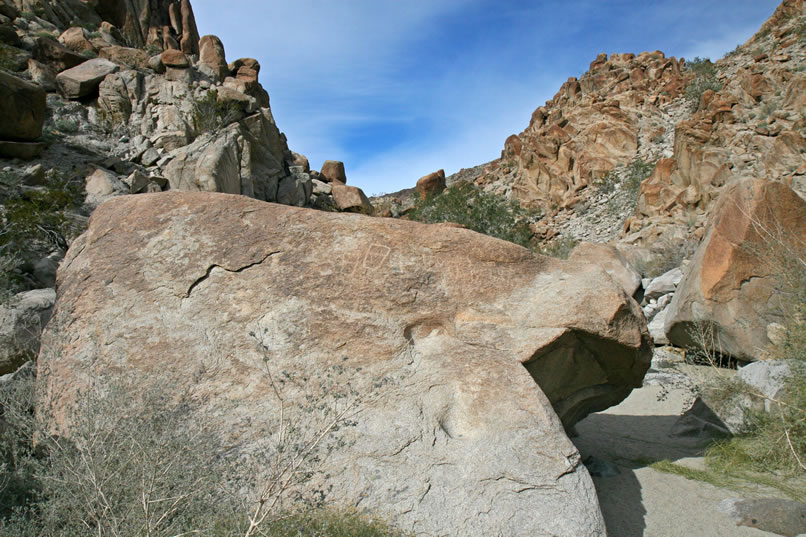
{"x": 630, "y": 108}
{"x": 133, "y": 89}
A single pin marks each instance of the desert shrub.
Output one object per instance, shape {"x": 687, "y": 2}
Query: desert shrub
{"x": 11, "y": 58}
{"x": 775, "y": 439}
{"x": 560, "y": 248}
{"x": 800, "y": 29}
{"x": 208, "y": 114}
{"x": 767, "y": 109}
{"x": 623, "y": 184}
{"x": 149, "y": 465}
{"x": 704, "y": 79}
{"x": 469, "y": 206}
{"x": 89, "y": 54}
{"x": 67, "y": 126}
{"x": 322, "y": 523}
{"x": 35, "y": 220}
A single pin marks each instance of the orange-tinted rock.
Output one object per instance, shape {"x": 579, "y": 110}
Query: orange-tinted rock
{"x": 731, "y": 281}
{"x": 212, "y": 58}
{"x": 190, "y": 34}
{"x": 431, "y": 184}
{"x": 350, "y": 199}
{"x": 333, "y": 171}
{"x": 76, "y": 39}
{"x": 589, "y": 128}
{"x": 245, "y": 73}
{"x": 175, "y": 59}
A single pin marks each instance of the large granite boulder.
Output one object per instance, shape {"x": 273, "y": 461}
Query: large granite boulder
{"x": 84, "y": 79}
{"x": 731, "y": 285}
{"x": 246, "y": 158}
{"x": 449, "y": 335}
{"x": 22, "y": 107}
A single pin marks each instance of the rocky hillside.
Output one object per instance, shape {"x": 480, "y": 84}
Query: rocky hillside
{"x": 107, "y": 98}
{"x": 701, "y": 125}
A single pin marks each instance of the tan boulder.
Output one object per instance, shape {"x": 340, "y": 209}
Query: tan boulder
{"x": 102, "y": 185}
{"x": 350, "y": 199}
{"x": 129, "y": 57}
{"x": 444, "y": 331}
{"x": 76, "y": 39}
{"x": 730, "y": 284}
{"x": 611, "y": 261}
{"x": 212, "y": 58}
{"x": 175, "y": 58}
{"x": 333, "y": 171}
{"x": 22, "y": 107}
{"x": 249, "y": 63}
{"x": 84, "y": 79}
{"x": 431, "y": 184}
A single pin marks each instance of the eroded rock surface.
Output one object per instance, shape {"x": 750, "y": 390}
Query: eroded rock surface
{"x": 730, "y": 289}
{"x": 217, "y": 290}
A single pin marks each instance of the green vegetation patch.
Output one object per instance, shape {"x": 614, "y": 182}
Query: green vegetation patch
{"x": 705, "y": 78}
{"x": 469, "y": 206}
{"x": 208, "y": 114}
{"x": 33, "y": 220}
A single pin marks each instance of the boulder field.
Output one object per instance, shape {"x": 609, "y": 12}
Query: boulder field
{"x": 465, "y": 354}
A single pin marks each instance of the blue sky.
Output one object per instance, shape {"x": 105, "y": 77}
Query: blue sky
{"x": 399, "y": 88}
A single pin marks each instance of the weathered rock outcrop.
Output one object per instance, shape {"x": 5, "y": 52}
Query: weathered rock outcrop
{"x": 751, "y": 127}
{"x": 165, "y": 24}
{"x": 590, "y": 126}
{"x": 757, "y": 228}
{"x": 218, "y": 288}
{"x": 246, "y": 158}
